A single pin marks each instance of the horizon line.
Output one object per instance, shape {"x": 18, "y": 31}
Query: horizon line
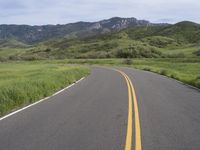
{"x": 97, "y": 21}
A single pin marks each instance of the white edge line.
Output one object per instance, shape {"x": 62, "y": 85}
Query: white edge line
{"x": 19, "y": 110}
{"x": 173, "y": 79}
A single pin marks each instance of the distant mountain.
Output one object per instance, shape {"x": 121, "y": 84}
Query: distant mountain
{"x": 32, "y": 34}
{"x": 118, "y": 23}
{"x": 115, "y": 37}
{"x": 137, "y": 41}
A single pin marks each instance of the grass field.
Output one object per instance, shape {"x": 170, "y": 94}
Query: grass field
{"x": 22, "y": 83}
{"x": 186, "y": 70}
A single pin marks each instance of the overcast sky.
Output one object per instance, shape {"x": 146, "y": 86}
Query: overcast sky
{"x": 37, "y": 12}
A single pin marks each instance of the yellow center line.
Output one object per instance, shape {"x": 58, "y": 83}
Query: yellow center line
{"x": 132, "y": 98}
{"x": 138, "y": 145}
{"x": 130, "y": 111}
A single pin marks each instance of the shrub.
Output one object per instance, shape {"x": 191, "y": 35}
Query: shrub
{"x": 126, "y": 53}
{"x": 128, "y": 61}
{"x": 163, "y": 72}
{"x": 198, "y": 78}
{"x": 138, "y": 51}
{"x": 47, "y": 50}
{"x": 197, "y": 53}
{"x": 2, "y": 59}
{"x": 14, "y": 58}
{"x": 32, "y": 57}
{"x": 147, "y": 69}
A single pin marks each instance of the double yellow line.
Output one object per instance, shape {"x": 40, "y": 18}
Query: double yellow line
{"x": 132, "y": 99}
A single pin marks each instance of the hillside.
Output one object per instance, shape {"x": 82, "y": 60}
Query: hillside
{"x": 183, "y": 31}
{"x": 34, "y": 34}
{"x": 138, "y": 41}
{"x": 12, "y": 43}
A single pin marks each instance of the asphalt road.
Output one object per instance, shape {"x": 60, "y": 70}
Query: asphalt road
{"x": 102, "y": 112}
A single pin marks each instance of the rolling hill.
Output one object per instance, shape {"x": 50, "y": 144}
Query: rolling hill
{"x": 33, "y": 34}
{"x": 115, "y": 37}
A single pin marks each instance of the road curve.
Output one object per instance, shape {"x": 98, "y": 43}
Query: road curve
{"x": 93, "y": 115}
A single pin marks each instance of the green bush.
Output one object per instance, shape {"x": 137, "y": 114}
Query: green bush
{"x": 2, "y": 59}
{"x": 128, "y": 61}
{"x": 197, "y": 53}
{"x": 163, "y": 72}
{"x": 147, "y": 69}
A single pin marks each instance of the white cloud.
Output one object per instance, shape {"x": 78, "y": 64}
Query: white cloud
{"x": 65, "y": 11}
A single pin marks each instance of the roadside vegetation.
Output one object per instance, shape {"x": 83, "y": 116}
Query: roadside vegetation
{"x": 22, "y": 83}
{"x": 186, "y": 70}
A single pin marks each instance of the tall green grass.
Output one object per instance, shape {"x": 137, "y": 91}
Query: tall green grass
{"x": 186, "y": 70}
{"x": 22, "y": 83}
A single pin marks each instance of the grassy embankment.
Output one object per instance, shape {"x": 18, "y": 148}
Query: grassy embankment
{"x": 22, "y": 83}
{"x": 186, "y": 70}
